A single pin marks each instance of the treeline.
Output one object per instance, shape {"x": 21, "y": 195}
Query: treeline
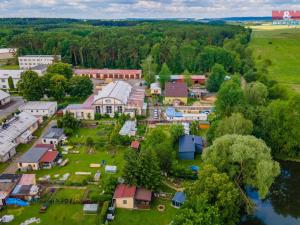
{"x": 252, "y": 104}
{"x": 181, "y": 45}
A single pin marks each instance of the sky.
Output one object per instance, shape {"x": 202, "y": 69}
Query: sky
{"x": 121, "y": 9}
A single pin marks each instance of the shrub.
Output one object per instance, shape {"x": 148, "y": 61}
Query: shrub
{"x": 103, "y": 212}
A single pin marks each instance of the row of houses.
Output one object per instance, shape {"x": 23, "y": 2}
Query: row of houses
{"x": 17, "y": 130}
{"x": 41, "y": 156}
{"x": 21, "y": 127}
{"x": 115, "y": 97}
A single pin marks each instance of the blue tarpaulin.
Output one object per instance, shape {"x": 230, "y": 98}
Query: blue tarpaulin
{"x": 16, "y": 201}
{"x": 195, "y": 168}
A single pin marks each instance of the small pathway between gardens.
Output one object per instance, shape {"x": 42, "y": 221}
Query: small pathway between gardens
{"x": 68, "y": 187}
{"x": 173, "y": 187}
{"x": 12, "y": 165}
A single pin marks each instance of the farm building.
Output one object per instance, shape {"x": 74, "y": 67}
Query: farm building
{"x": 53, "y": 136}
{"x": 109, "y": 74}
{"x": 189, "y": 145}
{"x": 175, "y": 93}
{"x": 39, "y": 108}
{"x": 4, "y": 98}
{"x": 15, "y": 131}
{"x": 130, "y": 197}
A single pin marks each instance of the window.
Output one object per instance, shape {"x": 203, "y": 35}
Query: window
{"x": 108, "y": 109}
{"x": 2, "y": 80}
{"x": 98, "y": 110}
{"x": 120, "y": 109}
{"x": 3, "y": 86}
{"x": 124, "y": 202}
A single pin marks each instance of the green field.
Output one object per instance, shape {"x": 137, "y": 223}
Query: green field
{"x": 58, "y": 214}
{"x": 146, "y": 217}
{"x": 282, "y": 47}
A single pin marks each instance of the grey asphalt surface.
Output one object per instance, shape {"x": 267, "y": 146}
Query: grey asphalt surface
{"x": 11, "y": 107}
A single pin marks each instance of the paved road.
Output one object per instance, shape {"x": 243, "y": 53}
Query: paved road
{"x": 12, "y": 164}
{"x": 12, "y": 107}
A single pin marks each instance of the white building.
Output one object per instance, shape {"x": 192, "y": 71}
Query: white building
{"x": 30, "y": 61}
{"x": 173, "y": 115}
{"x": 155, "y": 89}
{"x": 15, "y": 131}
{"x": 54, "y": 136}
{"x": 39, "y": 108}
{"x": 7, "y": 53}
{"x": 4, "y": 98}
{"x": 116, "y": 97}
{"x": 16, "y": 75}
{"x": 119, "y": 97}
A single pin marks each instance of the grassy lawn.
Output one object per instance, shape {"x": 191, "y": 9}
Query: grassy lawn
{"x": 282, "y": 47}
{"x": 9, "y": 67}
{"x": 66, "y": 193}
{"x": 58, "y": 214}
{"x": 80, "y": 162}
{"x": 146, "y": 217}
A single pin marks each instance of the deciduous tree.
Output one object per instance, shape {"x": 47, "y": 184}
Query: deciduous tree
{"x": 246, "y": 159}
{"x": 30, "y": 86}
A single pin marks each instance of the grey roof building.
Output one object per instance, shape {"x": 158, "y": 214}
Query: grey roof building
{"x": 54, "y": 133}
{"x": 33, "y": 155}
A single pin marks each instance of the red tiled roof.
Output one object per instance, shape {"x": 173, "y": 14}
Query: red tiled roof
{"x": 143, "y": 194}
{"x": 124, "y": 191}
{"x": 176, "y": 90}
{"x": 49, "y": 156}
{"x": 106, "y": 71}
{"x": 135, "y": 144}
{"x": 49, "y": 146}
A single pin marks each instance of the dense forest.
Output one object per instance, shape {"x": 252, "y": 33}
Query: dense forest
{"x": 124, "y": 44}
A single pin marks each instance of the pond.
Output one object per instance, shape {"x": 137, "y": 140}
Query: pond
{"x": 282, "y": 205}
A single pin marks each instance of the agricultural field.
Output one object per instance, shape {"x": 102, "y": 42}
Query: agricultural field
{"x": 280, "y": 45}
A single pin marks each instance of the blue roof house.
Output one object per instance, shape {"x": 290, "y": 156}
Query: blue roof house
{"x": 178, "y": 199}
{"x": 188, "y": 146}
